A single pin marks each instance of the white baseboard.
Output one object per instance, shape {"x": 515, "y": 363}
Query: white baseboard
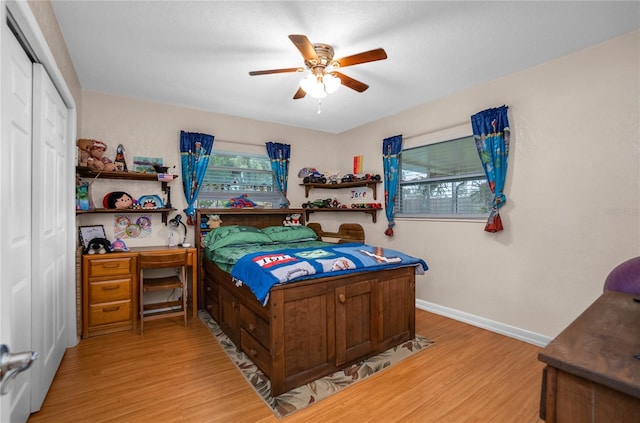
{"x": 481, "y": 322}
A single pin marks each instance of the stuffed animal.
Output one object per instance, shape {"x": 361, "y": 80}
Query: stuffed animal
{"x": 292, "y": 220}
{"x": 84, "y": 151}
{"x": 119, "y": 245}
{"x": 118, "y": 200}
{"x": 98, "y": 161}
{"x": 214, "y": 221}
{"x": 295, "y": 219}
{"x": 98, "y": 246}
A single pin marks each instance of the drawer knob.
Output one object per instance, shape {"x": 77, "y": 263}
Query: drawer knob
{"x": 252, "y": 327}
{"x": 342, "y": 298}
{"x": 208, "y": 288}
{"x": 253, "y": 353}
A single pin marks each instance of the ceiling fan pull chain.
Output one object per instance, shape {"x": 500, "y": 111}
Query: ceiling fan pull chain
{"x": 319, "y": 106}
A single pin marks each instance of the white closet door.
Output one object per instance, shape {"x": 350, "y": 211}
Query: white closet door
{"x": 15, "y": 216}
{"x": 51, "y": 203}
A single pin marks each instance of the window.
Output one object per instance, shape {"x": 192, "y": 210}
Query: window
{"x": 445, "y": 179}
{"x": 232, "y": 174}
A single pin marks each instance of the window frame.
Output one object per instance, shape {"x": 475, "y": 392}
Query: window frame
{"x": 437, "y": 137}
{"x": 210, "y": 197}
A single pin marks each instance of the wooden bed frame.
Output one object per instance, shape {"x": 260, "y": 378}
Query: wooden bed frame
{"x": 311, "y": 328}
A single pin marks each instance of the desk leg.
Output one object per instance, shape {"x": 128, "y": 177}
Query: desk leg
{"x": 194, "y": 286}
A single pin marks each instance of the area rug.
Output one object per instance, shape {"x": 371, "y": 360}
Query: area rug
{"x": 303, "y": 396}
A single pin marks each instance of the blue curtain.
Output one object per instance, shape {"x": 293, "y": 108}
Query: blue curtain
{"x": 195, "y": 150}
{"x": 279, "y": 155}
{"x": 491, "y": 133}
{"x": 391, "y": 148}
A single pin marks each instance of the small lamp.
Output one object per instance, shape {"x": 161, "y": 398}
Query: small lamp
{"x": 175, "y": 223}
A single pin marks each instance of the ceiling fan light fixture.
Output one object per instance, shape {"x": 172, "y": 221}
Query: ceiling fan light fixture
{"x": 331, "y": 83}
{"x": 320, "y": 84}
{"x": 308, "y": 82}
{"x": 324, "y": 78}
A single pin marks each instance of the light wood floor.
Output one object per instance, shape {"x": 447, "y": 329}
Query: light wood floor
{"x": 173, "y": 374}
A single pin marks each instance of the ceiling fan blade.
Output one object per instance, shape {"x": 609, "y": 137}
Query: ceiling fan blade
{"x": 364, "y": 57}
{"x": 354, "y": 84}
{"x": 266, "y": 72}
{"x": 304, "y": 45}
{"x": 299, "y": 94}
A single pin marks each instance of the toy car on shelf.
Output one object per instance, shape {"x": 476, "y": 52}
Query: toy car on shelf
{"x": 366, "y": 205}
{"x": 368, "y": 177}
{"x": 349, "y": 177}
{"x": 315, "y": 178}
{"x": 317, "y": 204}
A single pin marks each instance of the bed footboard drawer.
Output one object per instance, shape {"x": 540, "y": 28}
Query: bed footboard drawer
{"x": 211, "y": 299}
{"x": 255, "y": 326}
{"x": 256, "y": 352}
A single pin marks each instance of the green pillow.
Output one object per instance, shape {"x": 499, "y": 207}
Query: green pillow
{"x": 235, "y": 235}
{"x": 290, "y": 233}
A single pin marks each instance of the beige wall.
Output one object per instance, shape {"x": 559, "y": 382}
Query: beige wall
{"x": 573, "y": 188}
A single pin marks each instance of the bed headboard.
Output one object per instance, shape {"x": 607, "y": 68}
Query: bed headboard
{"x": 259, "y": 218}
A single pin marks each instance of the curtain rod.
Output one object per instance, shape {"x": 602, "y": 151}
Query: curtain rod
{"x": 444, "y": 128}
{"x": 239, "y": 142}
{"x": 404, "y": 138}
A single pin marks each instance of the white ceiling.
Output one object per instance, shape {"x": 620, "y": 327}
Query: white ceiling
{"x": 198, "y": 53}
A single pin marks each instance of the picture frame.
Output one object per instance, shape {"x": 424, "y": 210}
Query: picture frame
{"x": 87, "y": 233}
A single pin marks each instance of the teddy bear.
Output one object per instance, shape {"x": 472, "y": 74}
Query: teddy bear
{"x": 98, "y": 161}
{"x": 214, "y": 221}
{"x": 84, "y": 151}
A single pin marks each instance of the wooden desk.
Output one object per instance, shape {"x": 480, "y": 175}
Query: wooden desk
{"x": 591, "y": 373}
{"x": 110, "y": 289}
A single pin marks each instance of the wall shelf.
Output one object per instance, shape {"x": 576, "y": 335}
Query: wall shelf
{"x": 372, "y": 212}
{"x": 369, "y": 184}
{"x": 85, "y": 172}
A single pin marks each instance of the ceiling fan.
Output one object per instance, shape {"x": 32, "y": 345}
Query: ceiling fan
{"x": 324, "y": 77}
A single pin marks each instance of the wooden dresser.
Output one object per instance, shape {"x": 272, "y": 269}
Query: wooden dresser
{"x": 109, "y": 291}
{"x": 591, "y": 373}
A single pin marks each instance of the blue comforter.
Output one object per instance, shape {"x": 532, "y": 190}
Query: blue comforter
{"x": 260, "y": 271}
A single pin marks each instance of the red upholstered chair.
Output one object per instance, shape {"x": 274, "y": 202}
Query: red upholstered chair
{"x": 625, "y": 277}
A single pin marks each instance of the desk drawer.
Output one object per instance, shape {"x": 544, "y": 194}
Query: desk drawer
{"x": 111, "y": 267}
{"x": 114, "y": 312}
{"x": 108, "y": 291}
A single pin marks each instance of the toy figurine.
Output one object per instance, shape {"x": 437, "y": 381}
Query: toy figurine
{"x": 120, "y": 162}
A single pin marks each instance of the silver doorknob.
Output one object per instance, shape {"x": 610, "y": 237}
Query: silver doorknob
{"x": 12, "y": 364}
